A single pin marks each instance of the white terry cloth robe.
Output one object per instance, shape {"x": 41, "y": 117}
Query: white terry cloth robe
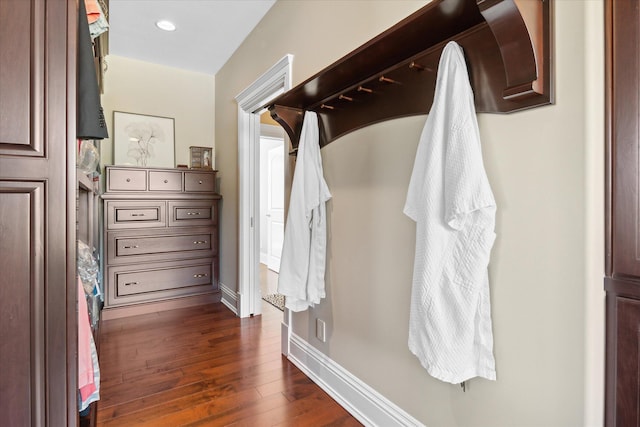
{"x": 302, "y": 266}
{"x": 450, "y": 200}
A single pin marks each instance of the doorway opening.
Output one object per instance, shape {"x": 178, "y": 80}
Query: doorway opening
{"x": 272, "y": 160}
{"x": 251, "y": 104}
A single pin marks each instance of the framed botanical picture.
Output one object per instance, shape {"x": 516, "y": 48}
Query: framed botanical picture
{"x": 201, "y": 157}
{"x": 142, "y": 140}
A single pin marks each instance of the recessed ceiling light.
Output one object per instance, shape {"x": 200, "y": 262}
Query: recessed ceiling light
{"x": 166, "y": 25}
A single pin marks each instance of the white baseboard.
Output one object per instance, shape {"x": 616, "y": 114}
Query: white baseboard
{"x": 364, "y": 403}
{"x": 229, "y": 298}
{"x": 264, "y": 258}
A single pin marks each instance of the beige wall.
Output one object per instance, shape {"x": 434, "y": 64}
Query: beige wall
{"x": 135, "y": 86}
{"x": 289, "y": 27}
{"x": 546, "y": 169}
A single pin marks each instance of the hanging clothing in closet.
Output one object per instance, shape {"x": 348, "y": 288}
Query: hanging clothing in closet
{"x": 88, "y": 368}
{"x": 90, "y": 124}
{"x": 96, "y": 17}
{"x": 302, "y": 266}
{"x": 90, "y": 116}
{"x": 451, "y": 201}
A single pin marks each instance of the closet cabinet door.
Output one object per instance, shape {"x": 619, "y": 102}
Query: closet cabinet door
{"x": 625, "y": 113}
{"x": 625, "y": 394}
{"x": 37, "y": 239}
{"x": 21, "y": 300}
{"x": 622, "y": 403}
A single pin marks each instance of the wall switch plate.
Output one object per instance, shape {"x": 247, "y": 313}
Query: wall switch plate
{"x": 321, "y": 330}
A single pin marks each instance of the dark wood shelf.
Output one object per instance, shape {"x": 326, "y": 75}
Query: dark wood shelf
{"x": 506, "y": 45}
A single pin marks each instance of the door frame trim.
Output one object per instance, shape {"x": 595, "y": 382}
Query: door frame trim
{"x": 251, "y": 102}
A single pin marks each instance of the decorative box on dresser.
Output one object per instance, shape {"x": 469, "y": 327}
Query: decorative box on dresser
{"x": 160, "y": 239}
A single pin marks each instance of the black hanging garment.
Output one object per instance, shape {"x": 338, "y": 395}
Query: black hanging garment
{"x": 90, "y": 117}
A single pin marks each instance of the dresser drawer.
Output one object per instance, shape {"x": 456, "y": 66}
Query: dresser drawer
{"x": 124, "y": 248}
{"x": 165, "y": 181}
{"x": 126, "y": 180}
{"x": 199, "y": 181}
{"x": 192, "y": 212}
{"x": 140, "y": 282}
{"x": 134, "y": 284}
{"x": 135, "y": 214}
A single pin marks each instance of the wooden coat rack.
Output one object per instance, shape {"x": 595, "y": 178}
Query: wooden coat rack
{"x": 507, "y": 49}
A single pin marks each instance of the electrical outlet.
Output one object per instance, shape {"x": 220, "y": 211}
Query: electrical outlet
{"x": 321, "y": 330}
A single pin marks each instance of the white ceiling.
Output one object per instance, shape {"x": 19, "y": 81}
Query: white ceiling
{"x": 207, "y": 31}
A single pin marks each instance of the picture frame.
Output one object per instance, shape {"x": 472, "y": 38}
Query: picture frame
{"x": 143, "y": 140}
{"x": 201, "y": 157}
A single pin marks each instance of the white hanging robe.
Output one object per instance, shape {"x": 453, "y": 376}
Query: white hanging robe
{"x": 451, "y": 201}
{"x": 302, "y": 266}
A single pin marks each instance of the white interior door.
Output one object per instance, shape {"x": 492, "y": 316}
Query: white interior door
{"x": 275, "y": 205}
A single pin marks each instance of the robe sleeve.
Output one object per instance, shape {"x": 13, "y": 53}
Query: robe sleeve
{"x": 466, "y": 187}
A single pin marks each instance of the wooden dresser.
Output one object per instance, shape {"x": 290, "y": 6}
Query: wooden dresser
{"x": 160, "y": 239}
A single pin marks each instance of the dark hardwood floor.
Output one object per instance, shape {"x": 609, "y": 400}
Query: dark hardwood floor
{"x": 203, "y": 366}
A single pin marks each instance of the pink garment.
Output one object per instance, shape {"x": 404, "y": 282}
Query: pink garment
{"x": 93, "y": 10}
{"x": 86, "y": 383}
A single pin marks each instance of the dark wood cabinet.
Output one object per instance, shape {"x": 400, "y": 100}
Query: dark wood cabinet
{"x": 625, "y": 147}
{"x": 38, "y": 336}
{"x": 623, "y": 394}
{"x": 622, "y": 282}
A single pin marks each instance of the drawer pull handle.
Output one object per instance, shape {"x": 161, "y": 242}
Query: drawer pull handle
{"x": 200, "y": 182}
{"x": 193, "y": 213}
{"x": 199, "y": 242}
{"x": 128, "y": 179}
{"x": 131, "y": 283}
{"x": 131, "y": 247}
{"x": 166, "y": 180}
{"x": 137, "y": 214}
{"x": 197, "y": 276}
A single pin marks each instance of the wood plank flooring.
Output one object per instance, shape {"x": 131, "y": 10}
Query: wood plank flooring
{"x": 203, "y": 366}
